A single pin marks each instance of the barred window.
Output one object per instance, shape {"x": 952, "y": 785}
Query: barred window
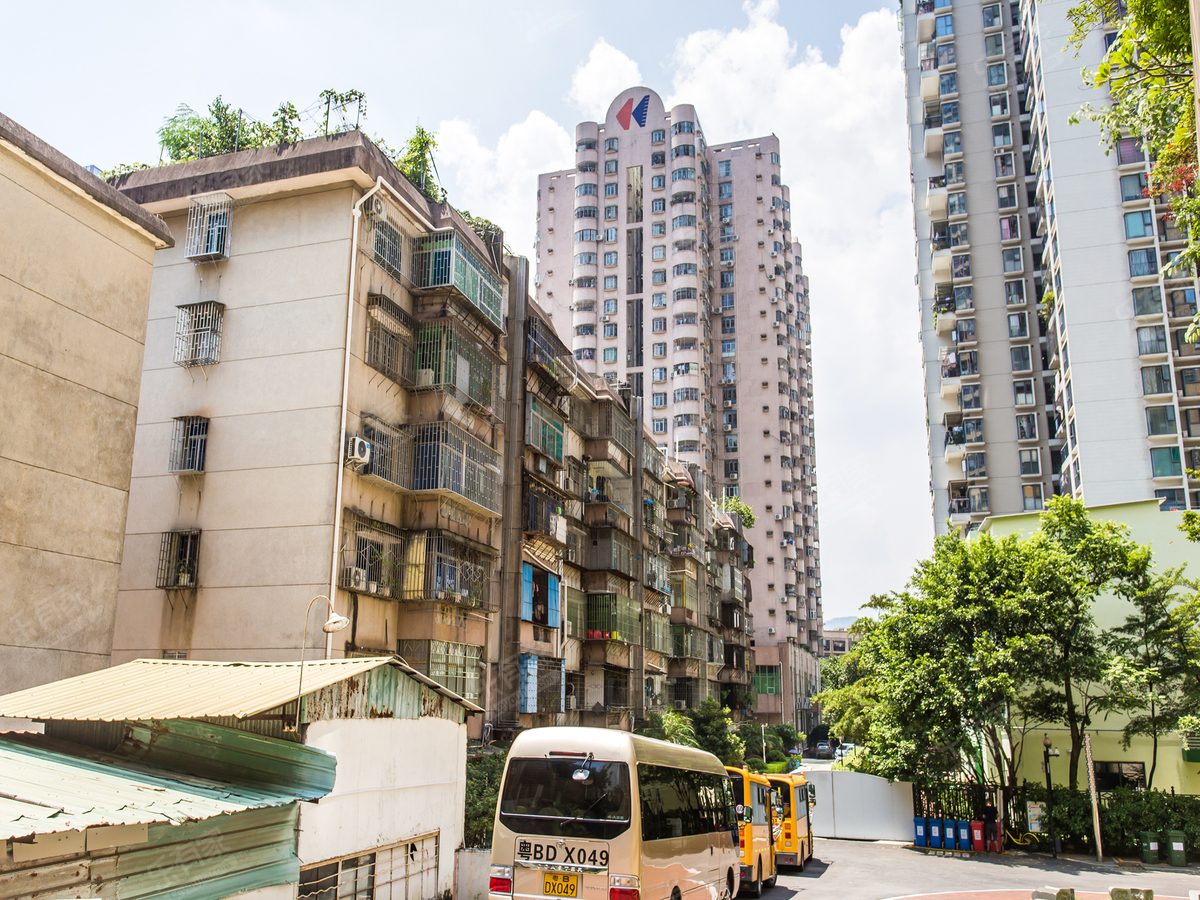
{"x": 198, "y": 334}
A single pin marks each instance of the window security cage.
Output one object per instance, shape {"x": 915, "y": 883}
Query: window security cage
{"x": 545, "y": 429}
{"x": 687, "y": 642}
{"x": 544, "y": 513}
{"x": 545, "y": 351}
{"x": 390, "y": 340}
{"x": 613, "y": 550}
{"x": 612, "y": 617}
{"x": 189, "y": 443}
{"x": 576, "y": 615}
{"x": 387, "y": 239}
{"x": 453, "y": 665}
{"x": 178, "y": 559}
{"x": 209, "y": 218}
{"x": 391, "y": 453}
{"x": 655, "y": 576}
{"x": 543, "y": 684}
{"x": 198, "y": 334}
{"x": 658, "y": 632}
{"x": 446, "y": 458}
{"x": 450, "y": 358}
{"x": 444, "y": 259}
{"x": 616, "y": 689}
{"x": 685, "y": 591}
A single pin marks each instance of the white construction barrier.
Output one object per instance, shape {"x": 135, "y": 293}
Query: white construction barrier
{"x": 861, "y": 807}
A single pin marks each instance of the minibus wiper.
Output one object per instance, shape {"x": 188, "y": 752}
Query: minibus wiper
{"x": 603, "y": 796}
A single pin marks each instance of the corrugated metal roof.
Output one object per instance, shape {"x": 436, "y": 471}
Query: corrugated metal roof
{"x": 46, "y": 791}
{"x": 148, "y": 689}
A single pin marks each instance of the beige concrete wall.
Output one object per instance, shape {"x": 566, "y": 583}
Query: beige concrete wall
{"x": 74, "y": 285}
{"x": 265, "y": 503}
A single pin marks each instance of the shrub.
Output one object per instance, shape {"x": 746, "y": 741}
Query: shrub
{"x": 754, "y": 764}
{"x": 483, "y": 790}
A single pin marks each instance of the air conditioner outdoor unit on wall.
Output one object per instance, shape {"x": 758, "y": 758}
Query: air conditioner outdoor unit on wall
{"x": 358, "y": 451}
{"x": 729, "y": 404}
{"x": 424, "y": 378}
{"x": 357, "y": 579}
{"x": 681, "y": 704}
{"x": 771, "y": 630}
{"x": 379, "y": 208}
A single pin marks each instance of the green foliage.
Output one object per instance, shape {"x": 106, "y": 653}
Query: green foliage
{"x": 754, "y": 764}
{"x": 223, "y": 129}
{"x": 416, "y": 162}
{"x": 485, "y": 228}
{"x": 714, "y": 732}
{"x": 483, "y": 790}
{"x": 741, "y": 507}
{"x": 671, "y": 726}
{"x": 848, "y": 695}
{"x": 788, "y": 735}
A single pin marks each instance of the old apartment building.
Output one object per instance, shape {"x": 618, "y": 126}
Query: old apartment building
{"x": 1089, "y": 392}
{"x": 347, "y": 392}
{"x": 669, "y": 268}
{"x": 75, "y": 268}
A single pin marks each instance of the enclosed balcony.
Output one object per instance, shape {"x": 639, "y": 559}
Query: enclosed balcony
{"x": 547, "y": 354}
{"x": 447, "y": 461}
{"x": 612, "y": 617}
{"x": 612, "y": 550}
{"x": 925, "y": 20}
{"x": 688, "y": 642}
{"x": 935, "y": 197}
{"x": 444, "y": 260}
{"x": 391, "y": 337}
{"x": 544, "y": 513}
{"x": 933, "y": 134}
{"x": 450, "y": 358}
{"x": 655, "y": 575}
{"x": 609, "y": 497}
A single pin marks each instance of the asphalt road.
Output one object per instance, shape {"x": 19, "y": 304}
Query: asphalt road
{"x": 864, "y": 870}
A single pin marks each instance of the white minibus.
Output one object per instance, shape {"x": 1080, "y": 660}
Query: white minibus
{"x": 607, "y": 815}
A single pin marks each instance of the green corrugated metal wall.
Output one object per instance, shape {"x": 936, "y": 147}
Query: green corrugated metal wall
{"x": 213, "y": 859}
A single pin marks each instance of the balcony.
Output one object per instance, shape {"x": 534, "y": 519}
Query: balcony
{"x": 930, "y": 83}
{"x": 687, "y": 642}
{"x": 545, "y": 353}
{"x": 390, "y": 338}
{"x": 935, "y": 197}
{"x": 446, "y": 461}
{"x": 933, "y": 135}
{"x": 940, "y": 260}
{"x": 543, "y": 514}
{"x": 450, "y": 358}
{"x": 444, "y": 260}
{"x": 612, "y": 550}
{"x": 955, "y": 442}
{"x": 925, "y": 20}
{"x": 612, "y": 617}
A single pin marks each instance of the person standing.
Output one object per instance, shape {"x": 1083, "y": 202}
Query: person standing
{"x": 991, "y": 829}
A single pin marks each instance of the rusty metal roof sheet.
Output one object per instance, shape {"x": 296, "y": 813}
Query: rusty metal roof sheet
{"x": 45, "y": 790}
{"x": 153, "y": 689}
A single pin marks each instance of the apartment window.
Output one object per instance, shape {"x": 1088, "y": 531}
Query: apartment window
{"x": 683, "y": 294}
{"x": 948, "y": 84}
{"x": 964, "y": 298}
{"x": 585, "y": 259}
{"x": 1004, "y": 165}
{"x": 1027, "y": 427}
{"x": 586, "y": 212}
{"x": 610, "y": 354}
{"x": 1152, "y": 339}
{"x": 1023, "y": 394}
{"x": 610, "y": 167}
{"x": 658, "y": 205}
{"x": 725, "y": 190}
{"x": 724, "y": 168}
{"x": 178, "y": 559}
{"x": 659, "y": 425}
{"x": 610, "y": 305}
{"x": 658, "y": 276}
{"x": 1133, "y": 187}
{"x": 956, "y": 204}
{"x": 658, "y": 400}
{"x": 1139, "y": 224}
{"x": 610, "y": 258}
{"x": 1156, "y": 380}
{"x": 943, "y": 26}
{"x": 970, "y": 397}
{"x": 683, "y": 222}
{"x": 950, "y": 109}
{"x": 952, "y": 142}
{"x": 726, "y": 279}
{"x": 1018, "y": 325}
{"x": 1002, "y": 135}
{"x": 610, "y": 282}
{"x": 959, "y": 236}
{"x": 960, "y": 266}
{"x": 954, "y": 173}
{"x": 1021, "y": 359}
{"x": 659, "y": 325}
{"x": 682, "y": 395}
{"x": 659, "y": 374}
{"x": 1129, "y": 151}
{"x": 997, "y": 75}
{"x": 610, "y": 212}
{"x": 1171, "y": 499}
{"x": 683, "y": 150}
{"x": 999, "y": 103}
{"x": 610, "y": 235}
{"x": 1165, "y": 462}
{"x": 964, "y": 331}
{"x": 658, "y": 229}
{"x": 658, "y": 182}
{"x": 683, "y": 128}
{"x": 1183, "y": 303}
{"x": 1033, "y": 496}
{"x": 728, "y": 324}
{"x": 189, "y": 443}
{"x": 991, "y": 16}
{"x": 729, "y": 348}
{"x": 585, "y": 330}
{"x": 658, "y": 136}
{"x": 586, "y": 281}
{"x": 610, "y": 331}
{"x": 993, "y": 45}
{"x": 585, "y": 190}
{"x": 726, "y": 301}
{"x": 1012, "y": 259}
{"x": 659, "y": 350}
{"x": 729, "y": 370}
{"x": 687, "y": 446}
{"x": 1161, "y": 420}
{"x": 587, "y": 234}
{"x": 658, "y": 159}
{"x": 731, "y": 443}
{"x": 584, "y": 353}
{"x": 973, "y": 431}
{"x": 976, "y": 465}
{"x": 684, "y": 174}
{"x": 1006, "y": 196}
{"x": 658, "y": 301}
{"x": 1014, "y": 292}
{"x": 198, "y": 334}
{"x": 683, "y": 269}
{"x": 1031, "y": 461}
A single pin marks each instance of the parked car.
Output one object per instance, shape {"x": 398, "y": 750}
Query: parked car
{"x": 843, "y": 751}
{"x": 823, "y": 750}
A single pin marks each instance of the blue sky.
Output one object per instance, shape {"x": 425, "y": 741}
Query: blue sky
{"x": 504, "y": 85}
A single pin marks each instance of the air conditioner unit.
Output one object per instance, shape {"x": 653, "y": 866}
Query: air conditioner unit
{"x": 540, "y": 465}
{"x": 774, "y": 299}
{"x": 778, "y": 517}
{"x": 358, "y": 451}
{"x": 783, "y": 543}
{"x": 424, "y": 378}
{"x": 733, "y": 477}
{"x": 605, "y": 318}
{"x": 356, "y": 579}
{"x": 774, "y": 252}
{"x": 728, "y": 404}
{"x": 770, "y": 231}
{"x": 728, "y": 427}
{"x": 681, "y": 704}
{"x": 776, "y": 324}
{"x": 735, "y": 237}
{"x": 771, "y": 276}
{"x": 771, "y": 630}
{"x": 571, "y": 283}
{"x": 728, "y": 263}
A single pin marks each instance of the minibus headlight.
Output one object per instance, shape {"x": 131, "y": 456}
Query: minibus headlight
{"x": 500, "y": 879}
{"x": 624, "y": 887}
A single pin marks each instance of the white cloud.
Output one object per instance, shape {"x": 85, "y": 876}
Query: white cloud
{"x": 500, "y": 183}
{"x": 605, "y": 74}
{"x": 844, "y": 150}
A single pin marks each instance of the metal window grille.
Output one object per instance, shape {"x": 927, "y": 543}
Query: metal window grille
{"x": 450, "y": 358}
{"x": 612, "y": 617}
{"x": 576, "y": 613}
{"x": 658, "y": 632}
{"x": 405, "y": 870}
{"x": 451, "y": 664}
{"x": 684, "y": 693}
{"x": 685, "y": 591}
{"x": 390, "y": 339}
{"x": 198, "y": 334}
{"x": 444, "y": 259}
{"x": 576, "y": 685}
{"x": 178, "y": 559}
{"x": 544, "y": 350}
{"x": 446, "y": 458}
{"x": 545, "y": 429}
{"x": 542, "y": 684}
{"x": 436, "y": 565}
{"x": 391, "y": 452}
{"x": 544, "y": 513}
{"x": 655, "y": 576}
{"x": 613, "y": 550}
{"x": 370, "y": 554}
{"x": 387, "y": 239}
{"x": 209, "y": 218}
{"x": 613, "y": 423}
{"x": 616, "y": 689}
{"x": 189, "y": 443}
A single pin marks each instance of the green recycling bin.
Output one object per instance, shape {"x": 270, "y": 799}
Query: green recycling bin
{"x": 1149, "y": 847}
{"x": 1173, "y": 846}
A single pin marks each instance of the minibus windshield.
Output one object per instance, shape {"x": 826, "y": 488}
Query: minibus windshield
{"x": 543, "y": 796}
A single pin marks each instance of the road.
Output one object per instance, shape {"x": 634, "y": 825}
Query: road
{"x": 865, "y": 870}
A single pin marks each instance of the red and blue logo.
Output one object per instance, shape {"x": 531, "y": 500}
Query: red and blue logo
{"x": 637, "y": 113}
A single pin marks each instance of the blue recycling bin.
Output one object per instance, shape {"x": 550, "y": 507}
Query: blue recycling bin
{"x": 935, "y": 833}
{"x": 920, "y": 833}
{"x": 964, "y": 835}
{"x": 948, "y": 828}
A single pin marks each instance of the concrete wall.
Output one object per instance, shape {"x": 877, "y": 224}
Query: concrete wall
{"x": 861, "y": 807}
{"x": 74, "y": 286}
{"x": 397, "y": 780}
{"x": 471, "y": 874}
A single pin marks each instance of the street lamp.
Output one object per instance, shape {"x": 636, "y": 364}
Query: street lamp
{"x": 334, "y": 623}
{"x": 1047, "y": 752}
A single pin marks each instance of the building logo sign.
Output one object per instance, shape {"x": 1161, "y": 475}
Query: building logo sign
{"x": 637, "y": 113}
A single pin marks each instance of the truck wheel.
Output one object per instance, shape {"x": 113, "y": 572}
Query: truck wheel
{"x": 770, "y": 882}
{"x": 755, "y": 888}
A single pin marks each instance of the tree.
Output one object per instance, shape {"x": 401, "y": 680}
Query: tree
{"x": 484, "y": 772}
{"x": 485, "y": 228}
{"x": 671, "y": 726}
{"x": 1071, "y": 560}
{"x": 223, "y": 129}
{"x": 714, "y": 732}
{"x": 741, "y": 507}
{"x": 416, "y": 162}
{"x": 848, "y": 694}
